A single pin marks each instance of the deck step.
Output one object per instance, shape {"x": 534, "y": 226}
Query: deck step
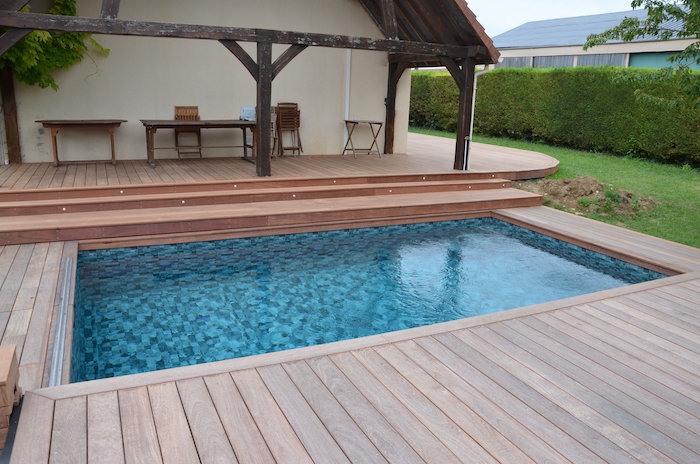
{"x": 107, "y": 200}
{"x": 214, "y": 186}
{"x": 258, "y": 217}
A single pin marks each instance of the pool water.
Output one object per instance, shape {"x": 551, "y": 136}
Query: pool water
{"x": 148, "y": 308}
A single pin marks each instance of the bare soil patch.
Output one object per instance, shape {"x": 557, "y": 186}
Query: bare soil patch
{"x": 586, "y": 195}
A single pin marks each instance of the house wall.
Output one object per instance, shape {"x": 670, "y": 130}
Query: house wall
{"x": 144, "y": 78}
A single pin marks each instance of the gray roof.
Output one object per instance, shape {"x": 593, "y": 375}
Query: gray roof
{"x": 562, "y": 32}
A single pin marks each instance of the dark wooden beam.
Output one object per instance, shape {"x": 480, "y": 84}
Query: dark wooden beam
{"x": 390, "y": 26}
{"x": 110, "y": 9}
{"x": 263, "y": 117}
{"x": 11, "y": 37}
{"x": 475, "y": 51}
{"x": 454, "y": 68}
{"x": 464, "y": 118}
{"x": 285, "y": 58}
{"x": 190, "y": 31}
{"x": 12, "y": 5}
{"x": 9, "y": 108}
{"x": 243, "y": 56}
{"x": 396, "y": 70}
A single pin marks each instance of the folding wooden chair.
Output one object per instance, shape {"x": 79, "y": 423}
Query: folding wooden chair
{"x": 288, "y": 120}
{"x": 187, "y": 113}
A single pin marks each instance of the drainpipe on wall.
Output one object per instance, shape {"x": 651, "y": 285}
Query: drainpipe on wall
{"x": 348, "y": 73}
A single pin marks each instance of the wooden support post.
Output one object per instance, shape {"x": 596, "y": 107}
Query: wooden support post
{"x": 391, "y": 28}
{"x": 9, "y": 108}
{"x": 263, "y": 115}
{"x": 110, "y": 9}
{"x": 464, "y": 118}
{"x": 396, "y": 70}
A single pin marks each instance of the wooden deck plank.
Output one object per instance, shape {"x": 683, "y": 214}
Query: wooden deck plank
{"x": 667, "y": 365}
{"x": 104, "y": 434}
{"x": 666, "y": 311}
{"x": 12, "y": 284}
{"x": 69, "y": 435}
{"x": 174, "y": 435}
{"x": 629, "y": 344}
{"x": 59, "y": 175}
{"x": 344, "y": 430}
{"x": 605, "y": 370}
{"x": 7, "y": 171}
{"x": 209, "y": 435}
{"x": 384, "y": 437}
{"x": 36, "y": 342}
{"x": 491, "y": 427}
{"x": 680, "y": 384}
{"x": 399, "y": 416}
{"x": 69, "y": 178}
{"x": 632, "y": 413}
{"x": 36, "y": 178}
{"x": 7, "y": 256}
{"x": 279, "y": 435}
{"x": 16, "y": 172}
{"x": 80, "y": 176}
{"x": 101, "y": 174}
{"x": 312, "y": 433}
{"x": 248, "y": 444}
{"x": 535, "y": 390}
{"x": 33, "y": 437}
{"x": 511, "y": 424}
{"x": 26, "y": 176}
{"x": 670, "y": 297}
{"x": 438, "y": 422}
{"x": 138, "y": 427}
{"x": 683, "y": 341}
{"x": 27, "y": 293}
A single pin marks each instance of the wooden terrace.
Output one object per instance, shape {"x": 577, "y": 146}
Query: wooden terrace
{"x": 606, "y": 377}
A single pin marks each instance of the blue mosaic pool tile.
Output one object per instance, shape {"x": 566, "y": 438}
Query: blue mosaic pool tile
{"x": 149, "y": 308}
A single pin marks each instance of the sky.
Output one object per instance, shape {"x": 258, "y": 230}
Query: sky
{"x": 498, "y": 16}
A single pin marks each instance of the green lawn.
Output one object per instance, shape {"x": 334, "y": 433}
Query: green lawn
{"x": 676, "y": 218}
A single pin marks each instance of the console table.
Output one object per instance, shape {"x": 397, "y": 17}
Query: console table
{"x": 57, "y": 124}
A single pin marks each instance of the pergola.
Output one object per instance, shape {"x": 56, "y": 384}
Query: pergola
{"x": 418, "y": 33}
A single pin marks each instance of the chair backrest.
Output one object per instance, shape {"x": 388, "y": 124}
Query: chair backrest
{"x": 287, "y": 105}
{"x": 187, "y": 113}
{"x": 288, "y": 119}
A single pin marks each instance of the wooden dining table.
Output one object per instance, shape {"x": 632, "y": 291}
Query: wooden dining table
{"x": 153, "y": 125}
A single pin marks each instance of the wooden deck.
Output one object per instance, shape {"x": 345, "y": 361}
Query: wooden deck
{"x": 607, "y": 377}
{"x": 426, "y": 155}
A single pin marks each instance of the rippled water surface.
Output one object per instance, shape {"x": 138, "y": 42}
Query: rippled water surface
{"x": 149, "y": 308}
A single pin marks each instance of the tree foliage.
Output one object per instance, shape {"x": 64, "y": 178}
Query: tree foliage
{"x": 666, "y": 19}
{"x": 40, "y": 53}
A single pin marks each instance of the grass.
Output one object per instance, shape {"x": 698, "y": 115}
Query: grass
{"x": 676, "y": 188}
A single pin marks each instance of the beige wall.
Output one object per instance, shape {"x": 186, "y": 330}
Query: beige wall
{"x": 144, "y": 78}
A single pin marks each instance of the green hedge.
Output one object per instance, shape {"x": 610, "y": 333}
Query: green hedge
{"x": 583, "y": 108}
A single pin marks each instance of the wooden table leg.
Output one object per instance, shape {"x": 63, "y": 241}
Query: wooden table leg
{"x": 111, "y": 137}
{"x": 150, "y": 140}
{"x": 375, "y": 135}
{"x": 54, "y": 132}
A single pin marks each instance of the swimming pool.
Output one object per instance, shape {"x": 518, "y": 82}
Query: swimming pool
{"x": 148, "y": 308}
